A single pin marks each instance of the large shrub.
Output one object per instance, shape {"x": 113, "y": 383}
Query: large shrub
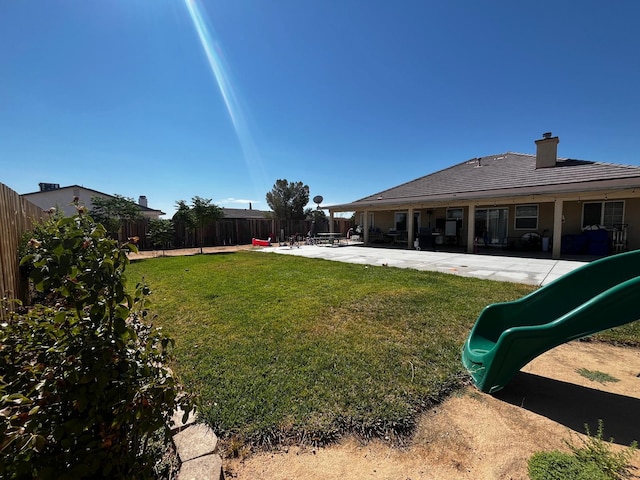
{"x": 84, "y": 379}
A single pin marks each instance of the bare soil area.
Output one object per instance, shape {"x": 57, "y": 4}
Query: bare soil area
{"x": 473, "y": 435}
{"x": 177, "y": 252}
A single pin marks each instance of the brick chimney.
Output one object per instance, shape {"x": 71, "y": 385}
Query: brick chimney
{"x": 142, "y": 201}
{"x": 547, "y": 151}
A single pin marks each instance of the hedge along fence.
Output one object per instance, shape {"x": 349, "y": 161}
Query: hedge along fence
{"x": 17, "y": 216}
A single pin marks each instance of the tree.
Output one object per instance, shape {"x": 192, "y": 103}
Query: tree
{"x": 315, "y": 214}
{"x": 318, "y": 218}
{"x": 195, "y": 218}
{"x": 287, "y": 200}
{"x": 183, "y": 218}
{"x": 160, "y": 232}
{"x": 112, "y": 212}
{"x": 204, "y": 213}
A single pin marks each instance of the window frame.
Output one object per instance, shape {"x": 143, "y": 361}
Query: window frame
{"x": 603, "y": 204}
{"x": 454, "y": 209}
{"x": 396, "y": 222}
{"x": 517, "y": 217}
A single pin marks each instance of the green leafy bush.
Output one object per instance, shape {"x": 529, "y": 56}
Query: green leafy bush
{"x": 557, "y": 465}
{"x": 598, "y": 451}
{"x": 594, "y": 460}
{"x": 85, "y": 382}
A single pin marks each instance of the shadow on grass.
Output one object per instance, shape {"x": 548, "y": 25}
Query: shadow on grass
{"x": 574, "y": 406}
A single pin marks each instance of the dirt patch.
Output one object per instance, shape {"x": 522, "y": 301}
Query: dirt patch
{"x": 177, "y": 252}
{"x": 473, "y": 435}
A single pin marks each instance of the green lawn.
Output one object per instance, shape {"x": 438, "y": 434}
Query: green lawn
{"x": 282, "y": 348}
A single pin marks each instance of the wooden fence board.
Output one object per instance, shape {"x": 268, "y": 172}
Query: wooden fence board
{"x": 17, "y": 216}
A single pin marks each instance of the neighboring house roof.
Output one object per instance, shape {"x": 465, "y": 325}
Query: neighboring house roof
{"x": 70, "y": 191}
{"x": 245, "y": 214}
{"x": 506, "y": 174}
{"x": 70, "y": 187}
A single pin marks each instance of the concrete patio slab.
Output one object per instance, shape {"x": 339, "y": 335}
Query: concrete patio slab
{"x": 531, "y": 271}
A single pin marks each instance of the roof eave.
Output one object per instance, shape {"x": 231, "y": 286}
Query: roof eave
{"x": 557, "y": 189}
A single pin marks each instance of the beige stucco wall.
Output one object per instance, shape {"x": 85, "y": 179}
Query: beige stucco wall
{"x": 62, "y": 199}
{"x": 572, "y": 212}
{"x": 383, "y": 220}
{"x": 545, "y": 218}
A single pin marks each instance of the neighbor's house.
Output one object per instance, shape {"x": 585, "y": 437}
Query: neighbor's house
{"x": 61, "y": 198}
{"x": 511, "y": 200}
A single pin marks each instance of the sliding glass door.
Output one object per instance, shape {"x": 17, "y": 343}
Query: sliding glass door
{"x": 491, "y": 225}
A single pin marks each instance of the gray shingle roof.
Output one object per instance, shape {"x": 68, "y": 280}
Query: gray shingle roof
{"x": 245, "y": 214}
{"x": 506, "y": 171}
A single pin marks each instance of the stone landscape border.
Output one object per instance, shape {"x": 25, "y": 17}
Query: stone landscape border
{"x": 196, "y": 446}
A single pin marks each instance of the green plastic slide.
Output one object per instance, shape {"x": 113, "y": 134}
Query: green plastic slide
{"x": 506, "y": 336}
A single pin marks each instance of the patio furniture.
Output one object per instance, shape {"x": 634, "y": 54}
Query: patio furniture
{"x": 619, "y": 239}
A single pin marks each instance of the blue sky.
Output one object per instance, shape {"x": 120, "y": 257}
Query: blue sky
{"x": 220, "y": 98}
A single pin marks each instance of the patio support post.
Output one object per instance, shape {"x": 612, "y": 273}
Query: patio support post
{"x": 330, "y": 221}
{"x": 557, "y": 229}
{"x": 471, "y": 227}
{"x": 410, "y": 232}
{"x": 365, "y": 227}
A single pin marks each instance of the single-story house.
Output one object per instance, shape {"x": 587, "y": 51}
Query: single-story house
{"x": 510, "y": 200}
{"x": 52, "y": 195}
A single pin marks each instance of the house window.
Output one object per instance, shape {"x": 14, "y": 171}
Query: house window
{"x": 401, "y": 221}
{"x": 526, "y": 217}
{"x": 371, "y": 223}
{"x": 608, "y": 214}
{"x": 454, "y": 213}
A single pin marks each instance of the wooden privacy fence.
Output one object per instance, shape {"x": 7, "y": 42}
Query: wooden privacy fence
{"x": 17, "y": 216}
